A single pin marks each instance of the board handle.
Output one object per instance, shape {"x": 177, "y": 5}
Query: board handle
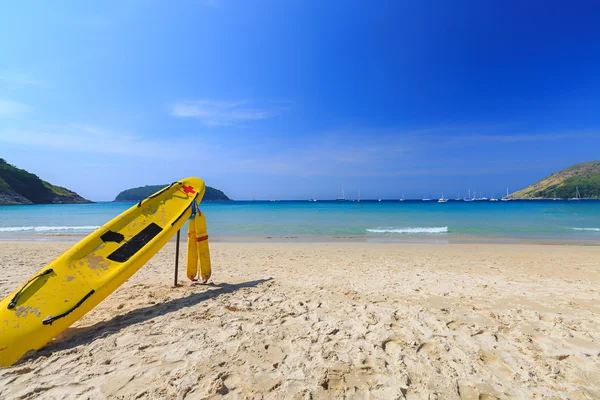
{"x": 159, "y": 192}
{"x": 50, "y": 319}
{"x": 13, "y": 302}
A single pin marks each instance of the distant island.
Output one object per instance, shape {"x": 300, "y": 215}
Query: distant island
{"x": 139, "y": 193}
{"x": 583, "y": 178}
{"x": 18, "y": 186}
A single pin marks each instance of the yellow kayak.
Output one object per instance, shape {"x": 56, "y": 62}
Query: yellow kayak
{"x": 70, "y": 286}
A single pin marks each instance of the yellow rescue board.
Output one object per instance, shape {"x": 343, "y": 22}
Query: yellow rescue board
{"x": 70, "y": 286}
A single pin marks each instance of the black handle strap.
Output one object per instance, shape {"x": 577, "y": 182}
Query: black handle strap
{"x": 50, "y": 319}
{"x": 159, "y": 192}
{"x": 14, "y": 300}
{"x": 184, "y": 211}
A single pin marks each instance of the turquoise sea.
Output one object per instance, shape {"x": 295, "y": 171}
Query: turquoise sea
{"x": 455, "y": 221}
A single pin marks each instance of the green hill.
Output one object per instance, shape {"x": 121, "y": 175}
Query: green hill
{"x": 139, "y": 193}
{"x": 585, "y": 177}
{"x": 18, "y": 186}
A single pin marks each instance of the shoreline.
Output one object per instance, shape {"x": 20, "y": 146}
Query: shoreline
{"x": 441, "y": 239}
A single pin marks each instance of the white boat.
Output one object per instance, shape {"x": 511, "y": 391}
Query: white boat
{"x": 577, "y": 195}
{"x": 493, "y": 198}
{"x": 342, "y": 197}
{"x": 402, "y": 198}
{"x": 481, "y": 198}
{"x": 469, "y": 198}
{"x": 442, "y": 199}
{"x": 358, "y": 200}
{"x": 506, "y": 198}
{"x": 313, "y": 200}
{"x": 555, "y": 196}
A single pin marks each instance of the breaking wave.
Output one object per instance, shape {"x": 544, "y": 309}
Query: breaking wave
{"x": 417, "y": 230}
{"x": 49, "y": 229}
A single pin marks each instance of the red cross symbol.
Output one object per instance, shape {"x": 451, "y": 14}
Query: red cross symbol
{"x": 188, "y": 189}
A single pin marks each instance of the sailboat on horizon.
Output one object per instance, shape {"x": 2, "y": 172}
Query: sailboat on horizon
{"x": 468, "y": 198}
{"x": 506, "y": 198}
{"x": 577, "y": 195}
{"x": 342, "y": 198}
{"x": 482, "y": 198}
{"x": 442, "y": 199}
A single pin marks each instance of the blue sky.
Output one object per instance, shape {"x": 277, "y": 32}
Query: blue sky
{"x": 288, "y": 99}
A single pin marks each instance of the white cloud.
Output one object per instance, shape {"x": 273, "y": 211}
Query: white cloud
{"x": 220, "y": 113}
{"x": 367, "y": 153}
{"x": 19, "y": 79}
{"x": 91, "y": 139}
{"x": 11, "y": 108}
{"x": 525, "y": 137}
{"x": 329, "y": 154}
{"x": 498, "y": 133}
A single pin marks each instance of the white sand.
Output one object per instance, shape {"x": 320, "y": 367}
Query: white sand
{"x": 308, "y": 320}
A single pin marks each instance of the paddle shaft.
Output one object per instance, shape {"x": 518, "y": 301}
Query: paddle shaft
{"x": 176, "y": 258}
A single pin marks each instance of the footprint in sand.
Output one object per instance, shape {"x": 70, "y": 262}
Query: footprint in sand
{"x": 395, "y": 326}
{"x": 425, "y": 348}
{"x": 333, "y": 382}
{"x": 466, "y": 391}
{"x": 496, "y": 366}
{"x": 454, "y": 325}
{"x": 394, "y": 346}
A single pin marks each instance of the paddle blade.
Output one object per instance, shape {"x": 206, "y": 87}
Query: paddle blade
{"x": 202, "y": 246}
{"x": 192, "y": 252}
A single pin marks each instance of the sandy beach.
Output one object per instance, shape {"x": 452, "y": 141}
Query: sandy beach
{"x": 329, "y": 320}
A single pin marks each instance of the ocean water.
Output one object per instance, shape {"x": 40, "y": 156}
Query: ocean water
{"x": 541, "y": 221}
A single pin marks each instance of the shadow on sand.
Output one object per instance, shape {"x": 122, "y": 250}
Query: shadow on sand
{"x": 74, "y": 337}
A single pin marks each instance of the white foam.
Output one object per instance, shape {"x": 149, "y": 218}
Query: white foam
{"x": 86, "y": 228}
{"x": 16, "y": 228}
{"x": 441, "y": 229}
{"x": 587, "y": 229}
